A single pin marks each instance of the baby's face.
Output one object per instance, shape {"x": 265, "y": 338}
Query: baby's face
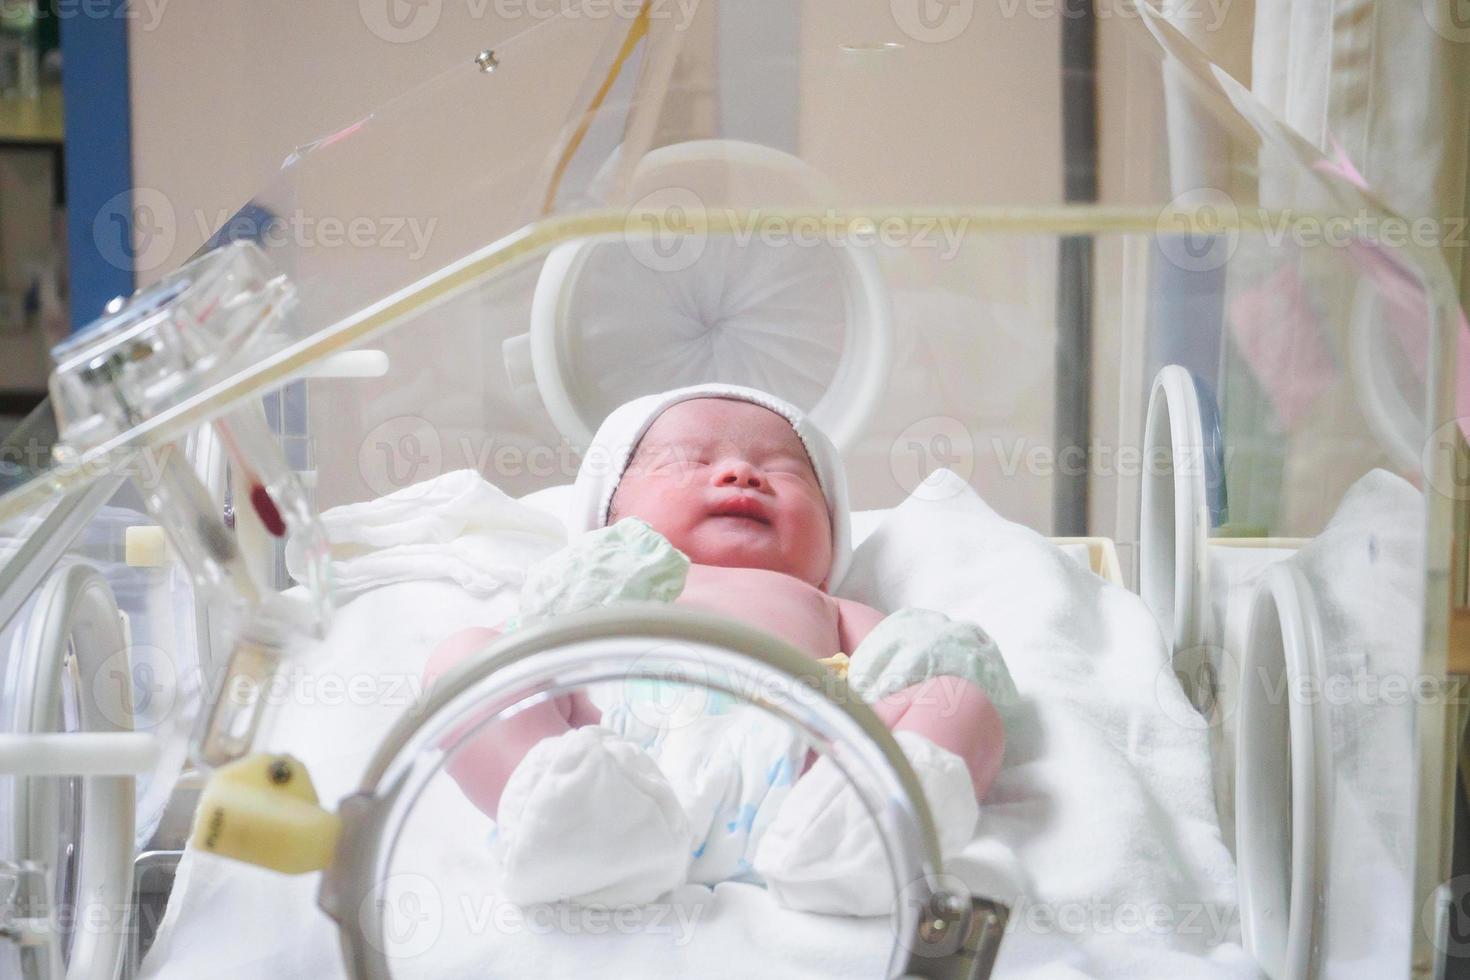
{"x": 729, "y": 483}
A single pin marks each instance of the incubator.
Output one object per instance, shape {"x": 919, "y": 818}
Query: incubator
{"x": 1185, "y": 456}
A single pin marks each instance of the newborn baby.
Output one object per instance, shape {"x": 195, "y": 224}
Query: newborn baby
{"x": 731, "y": 485}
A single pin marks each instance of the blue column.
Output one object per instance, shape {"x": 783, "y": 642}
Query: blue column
{"x": 99, "y": 164}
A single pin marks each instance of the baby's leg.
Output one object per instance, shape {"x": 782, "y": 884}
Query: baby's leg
{"x": 483, "y": 763}
{"x": 954, "y": 714}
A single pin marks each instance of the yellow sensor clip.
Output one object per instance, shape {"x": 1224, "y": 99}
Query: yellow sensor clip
{"x": 263, "y": 810}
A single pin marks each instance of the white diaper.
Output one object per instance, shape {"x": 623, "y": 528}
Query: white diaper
{"x": 913, "y": 645}
{"x": 626, "y": 562}
{"x": 823, "y": 852}
{"x": 587, "y": 817}
{"x": 732, "y": 773}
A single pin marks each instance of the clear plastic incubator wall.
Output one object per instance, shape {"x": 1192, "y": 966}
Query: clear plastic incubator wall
{"x": 1181, "y": 446}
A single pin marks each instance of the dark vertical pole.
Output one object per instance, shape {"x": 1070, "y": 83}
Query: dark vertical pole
{"x": 1073, "y": 423}
{"x": 99, "y": 163}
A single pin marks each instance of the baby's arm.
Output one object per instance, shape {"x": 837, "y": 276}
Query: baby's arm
{"x": 953, "y": 713}
{"x": 483, "y": 763}
{"x": 854, "y": 622}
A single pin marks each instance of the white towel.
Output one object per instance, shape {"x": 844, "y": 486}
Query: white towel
{"x": 455, "y": 527}
{"x": 1104, "y": 807}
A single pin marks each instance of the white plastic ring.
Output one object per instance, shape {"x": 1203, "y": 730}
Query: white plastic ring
{"x": 853, "y": 395}
{"x": 1283, "y": 784}
{"x": 75, "y": 609}
{"x": 1174, "y": 520}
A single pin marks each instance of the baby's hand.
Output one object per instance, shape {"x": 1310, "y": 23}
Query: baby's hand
{"x": 913, "y": 645}
{"x": 627, "y": 562}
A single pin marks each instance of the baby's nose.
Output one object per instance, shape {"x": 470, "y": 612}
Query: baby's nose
{"x": 738, "y": 473}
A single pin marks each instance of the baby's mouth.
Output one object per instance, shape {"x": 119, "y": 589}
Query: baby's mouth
{"x": 744, "y": 507}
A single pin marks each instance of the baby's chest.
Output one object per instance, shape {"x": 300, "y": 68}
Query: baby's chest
{"x": 800, "y": 614}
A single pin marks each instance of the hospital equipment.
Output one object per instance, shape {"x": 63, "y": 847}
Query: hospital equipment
{"x": 619, "y": 205}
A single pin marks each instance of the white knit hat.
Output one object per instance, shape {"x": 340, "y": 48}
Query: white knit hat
{"x": 613, "y": 445}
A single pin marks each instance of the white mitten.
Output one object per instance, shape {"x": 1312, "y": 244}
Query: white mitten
{"x": 626, "y": 562}
{"x": 823, "y": 852}
{"x": 913, "y": 645}
{"x": 587, "y": 817}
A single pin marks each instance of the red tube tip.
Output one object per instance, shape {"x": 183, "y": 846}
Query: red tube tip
{"x": 266, "y": 508}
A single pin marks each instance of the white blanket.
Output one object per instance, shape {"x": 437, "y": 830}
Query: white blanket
{"x": 1100, "y": 830}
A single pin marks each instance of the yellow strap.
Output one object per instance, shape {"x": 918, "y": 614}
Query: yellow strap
{"x": 837, "y": 663}
{"x": 636, "y": 33}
